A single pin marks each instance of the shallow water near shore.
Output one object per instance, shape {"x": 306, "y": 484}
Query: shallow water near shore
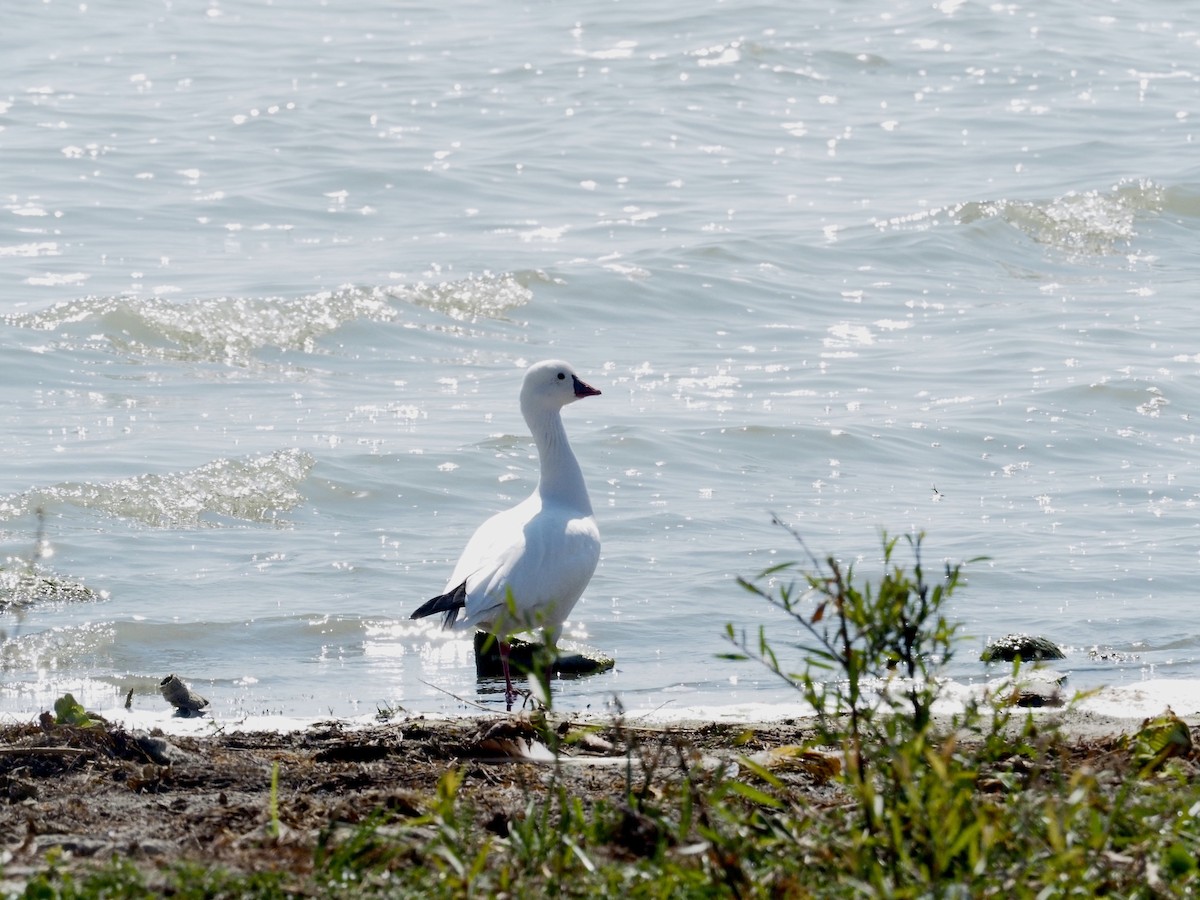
{"x": 269, "y": 277}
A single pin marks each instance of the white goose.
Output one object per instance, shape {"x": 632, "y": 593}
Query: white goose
{"x": 526, "y": 567}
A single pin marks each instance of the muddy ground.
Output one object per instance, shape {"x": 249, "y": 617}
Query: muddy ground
{"x": 154, "y": 799}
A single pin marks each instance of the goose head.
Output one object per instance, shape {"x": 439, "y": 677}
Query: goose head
{"x": 550, "y": 385}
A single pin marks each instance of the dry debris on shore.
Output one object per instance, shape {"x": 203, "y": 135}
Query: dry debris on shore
{"x": 85, "y": 792}
{"x": 95, "y": 791}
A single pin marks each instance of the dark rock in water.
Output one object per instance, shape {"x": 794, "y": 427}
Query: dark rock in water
{"x": 573, "y": 659}
{"x": 1025, "y": 647}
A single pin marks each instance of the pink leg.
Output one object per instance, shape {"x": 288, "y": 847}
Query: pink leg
{"x": 509, "y": 692}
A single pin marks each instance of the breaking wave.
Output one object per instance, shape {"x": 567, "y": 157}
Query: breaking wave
{"x": 1095, "y": 222}
{"x": 231, "y": 330}
{"x": 255, "y": 489}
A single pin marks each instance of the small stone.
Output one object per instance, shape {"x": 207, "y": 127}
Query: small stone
{"x": 157, "y": 749}
{"x": 594, "y": 743}
{"x": 1038, "y": 700}
{"x": 1041, "y": 689}
{"x": 18, "y": 790}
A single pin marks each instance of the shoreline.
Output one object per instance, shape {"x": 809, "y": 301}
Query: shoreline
{"x": 243, "y": 799}
{"x": 1084, "y": 721}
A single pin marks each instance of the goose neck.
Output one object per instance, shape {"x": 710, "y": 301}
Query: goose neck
{"x": 560, "y": 477}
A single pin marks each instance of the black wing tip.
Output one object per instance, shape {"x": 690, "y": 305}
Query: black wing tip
{"x": 449, "y": 603}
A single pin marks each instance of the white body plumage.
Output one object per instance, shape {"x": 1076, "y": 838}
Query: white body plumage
{"x": 527, "y": 566}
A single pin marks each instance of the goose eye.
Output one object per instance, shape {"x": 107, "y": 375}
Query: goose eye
{"x": 562, "y": 376}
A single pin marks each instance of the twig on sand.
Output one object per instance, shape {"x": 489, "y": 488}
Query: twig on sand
{"x": 456, "y": 696}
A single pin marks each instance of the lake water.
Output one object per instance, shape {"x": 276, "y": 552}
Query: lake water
{"x": 269, "y": 273}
